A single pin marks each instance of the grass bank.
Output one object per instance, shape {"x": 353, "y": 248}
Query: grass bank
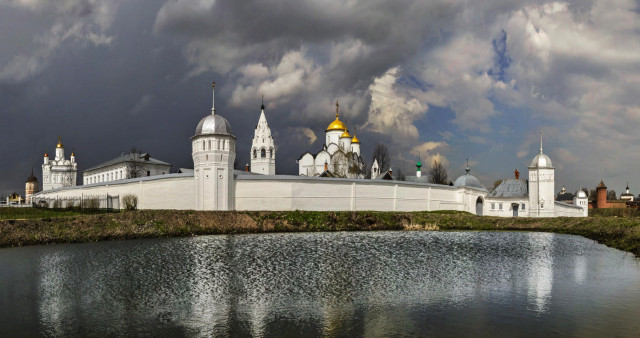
{"x": 618, "y": 232}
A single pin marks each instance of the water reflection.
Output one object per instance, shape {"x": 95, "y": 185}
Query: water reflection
{"x": 324, "y": 284}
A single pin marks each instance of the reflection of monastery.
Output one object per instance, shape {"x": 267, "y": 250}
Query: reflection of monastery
{"x": 213, "y": 184}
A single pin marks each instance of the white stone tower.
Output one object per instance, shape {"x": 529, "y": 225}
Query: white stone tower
{"x": 59, "y": 172}
{"x": 541, "y": 185}
{"x": 580, "y": 199}
{"x": 263, "y": 150}
{"x": 214, "y": 151}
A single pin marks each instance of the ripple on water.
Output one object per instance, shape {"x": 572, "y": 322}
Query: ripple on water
{"x": 347, "y": 283}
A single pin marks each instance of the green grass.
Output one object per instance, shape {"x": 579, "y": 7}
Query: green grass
{"x": 7, "y": 213}
{"x": 24, "y": 226}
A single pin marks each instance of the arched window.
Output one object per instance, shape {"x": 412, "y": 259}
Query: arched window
{"x": 255, "y": 153}
{"x": 271, "y": 153}
{"x": 263, "y": 153}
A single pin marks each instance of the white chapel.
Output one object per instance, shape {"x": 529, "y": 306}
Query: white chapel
{"x": 59, "y": 172}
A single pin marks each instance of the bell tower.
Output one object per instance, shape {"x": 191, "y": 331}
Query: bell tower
{"x": 263, "y": 150}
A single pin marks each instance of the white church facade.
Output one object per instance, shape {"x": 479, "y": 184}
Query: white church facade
{"x": 215, "y": 185}
{"x": 59, "y": 172}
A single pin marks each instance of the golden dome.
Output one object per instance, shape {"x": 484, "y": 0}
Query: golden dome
{"x": 59, "y": 145}
{"x": 355, "y": 139}
{"x": 337, "y": 124}
{"x": 345, "y": 134}
{"x": 46, "y": 155}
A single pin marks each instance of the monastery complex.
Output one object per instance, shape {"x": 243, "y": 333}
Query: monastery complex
{"x": 332, "y": 179}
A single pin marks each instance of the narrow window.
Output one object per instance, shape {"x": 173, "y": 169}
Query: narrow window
{"x": 541, "y": 205}
{"x": 210, "y": 145}
{"x": 148, "y": 173}
{"x": 493, "y": 206}
{"x": 203, "y": 145}
{"x": 270, "y": 153}
{"x": 263, "y": 153}
{"x": 255, "y": 153}
{"x": 500, "y": 206}
{"x": 522, "y": 206}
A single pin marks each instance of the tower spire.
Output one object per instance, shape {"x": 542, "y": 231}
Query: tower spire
{"x": 337, "y": 108}
{"x": 262, "y": 106}
{"x": 467, "y": 169}
{"x": 213, "y": 98}
{"x": 540, "y": 141}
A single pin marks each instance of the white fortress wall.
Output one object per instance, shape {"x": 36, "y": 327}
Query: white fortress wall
{"x": 171, "y": 191}
{"x": 309, "y": 193}
{"x": 568, "y": 210}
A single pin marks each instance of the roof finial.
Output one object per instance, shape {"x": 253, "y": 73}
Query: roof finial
{"x": 467, "y": 169}
{"x": 337, "y": 108}
{"x": 262, "y": 106}
{"x": 213, "y": 98}
{"x": 541, "y": 141}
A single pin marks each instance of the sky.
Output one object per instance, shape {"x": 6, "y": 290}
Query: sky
{"x": 432, "y": 80}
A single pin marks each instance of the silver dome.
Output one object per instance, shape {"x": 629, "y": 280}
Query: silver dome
{"x": 541, "y": 161}
{"x": 468, "y": 181}
{"x": 581, "y": 194}
{"x": 213, "y": 124}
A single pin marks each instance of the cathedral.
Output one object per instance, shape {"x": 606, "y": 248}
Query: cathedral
{"x": 339, "y": 156}
{"x": 59, "y": 172}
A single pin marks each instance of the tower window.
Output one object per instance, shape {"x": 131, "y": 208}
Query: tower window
{"x": 255, "y": 153}
{"x": 263, "y": 153}
{"x": 270, "y": 153}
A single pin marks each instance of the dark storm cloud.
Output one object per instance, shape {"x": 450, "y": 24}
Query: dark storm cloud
{"x": 110, "y": 75}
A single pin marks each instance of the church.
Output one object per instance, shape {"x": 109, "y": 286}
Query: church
{"x": 330, "y": 180}
{"x": 59, "y": 172}
{"x": 339, "y": 156}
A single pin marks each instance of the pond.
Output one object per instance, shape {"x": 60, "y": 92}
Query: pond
{"x": 323, "y": 284}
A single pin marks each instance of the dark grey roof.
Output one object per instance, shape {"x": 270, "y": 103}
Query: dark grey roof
{"x": 567, "y": 196}
{"x": 131, "y": 157}
{"x": 567, "y": 205}
{"x": 511, "y": 187}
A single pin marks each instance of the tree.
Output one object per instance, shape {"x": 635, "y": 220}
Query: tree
{"x": 611, "y": 195}
{"x": 381, "y": 153}
{"x": 592, "y": 195}
{"x": 400, "y": 175}
{"x": 136, "y": 166}
{"x": 438, "y": 174}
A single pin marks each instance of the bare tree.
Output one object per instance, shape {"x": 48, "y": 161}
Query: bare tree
{"x": 592, "y": 195}
{"x": 136, "y": 164}
{"x": 381, "y": 153}
{"x": 611, "y": 195}
{"x": 438, "y": 174}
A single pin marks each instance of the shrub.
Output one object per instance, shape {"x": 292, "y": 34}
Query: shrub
{"x": 91, "y": 204}
{"x": 130, "y": 202}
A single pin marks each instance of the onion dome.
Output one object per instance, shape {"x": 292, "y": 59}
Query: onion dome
{"x": 46, "y": 155}
{"x": 213, "y": 124}
{"x": 73, "y": 154}
{"x": 468, "y": 180}
{"x": 354, "y": 139}
{"x": 345, "y": 134}
{"x": 59, "y": 145}
{"x": 337, "y": 124}
{"x": 418, "y": 165}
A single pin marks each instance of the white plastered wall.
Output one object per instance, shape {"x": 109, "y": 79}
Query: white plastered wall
{"x": 173, "y": 191}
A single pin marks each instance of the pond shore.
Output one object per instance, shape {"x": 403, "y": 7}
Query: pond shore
{"x": 71, "y": 227}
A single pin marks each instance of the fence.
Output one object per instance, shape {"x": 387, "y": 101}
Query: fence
{"x": 84, "y": 202}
